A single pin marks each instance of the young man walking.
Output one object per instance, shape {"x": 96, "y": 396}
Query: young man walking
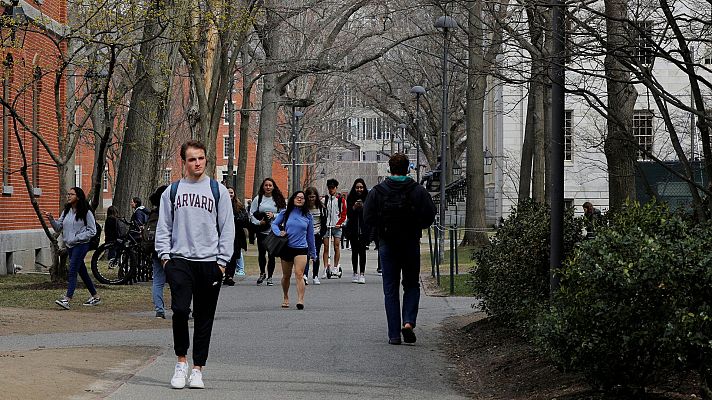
{"x": 335, "y": 207}
{"x": 399, "y": 209}
{"x": 194, "y": 240}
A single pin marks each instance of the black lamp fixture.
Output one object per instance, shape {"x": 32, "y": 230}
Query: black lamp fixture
{"x": 487, "y": 156}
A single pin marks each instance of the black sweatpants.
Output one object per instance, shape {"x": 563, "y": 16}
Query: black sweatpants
{"x": 200, "y": 282}
{"x": 263, "y": 257}
{"x": 358, "y": 255}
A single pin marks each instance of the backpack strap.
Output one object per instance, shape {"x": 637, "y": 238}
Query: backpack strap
{"x": 214, "y": 187}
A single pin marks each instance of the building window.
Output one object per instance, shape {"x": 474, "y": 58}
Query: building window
{"x": 226, "y": 148}
{"x": 6, "y": 84}
{"x": 707, "y": 55}
{"x": 78, "y": 176}
{"x": 36, "y": 91}
{"x": 643, "y": 132}
{"x": 105, "y": 180}
{"x": 643, "y": 49}
{"x": 226, "y": 112}
{"x": 568, "y": 138}
{"x": 167, "y": 176}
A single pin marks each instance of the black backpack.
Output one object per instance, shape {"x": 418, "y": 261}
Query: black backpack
{"x": 148, "y": 233}
{"x": 94, "y": 241}
{"x": 397, "y": 215}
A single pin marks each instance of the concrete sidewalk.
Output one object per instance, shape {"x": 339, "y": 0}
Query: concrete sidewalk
{"x": 337, "y": 348}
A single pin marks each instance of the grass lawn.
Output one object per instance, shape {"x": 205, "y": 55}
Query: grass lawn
{"x": 465, "y": 265}
{"x": 38, "y": 292}
{"x": 461, "y": 286}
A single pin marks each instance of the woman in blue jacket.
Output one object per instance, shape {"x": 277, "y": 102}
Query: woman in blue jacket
{"x": 78, "y": 226}
{"x": 296, "y": 223}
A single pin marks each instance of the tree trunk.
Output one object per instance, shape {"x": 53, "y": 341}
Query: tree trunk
{"x": 476, "y": 93}
{"x": 137, "y": 175}
{"x": 247, "y": 83}
{"x": 619, "y": 146}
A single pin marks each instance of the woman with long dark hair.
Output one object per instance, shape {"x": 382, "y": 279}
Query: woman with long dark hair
{"x": 356, "y": 229}
{"x": 236, "y": 266}
{"x": 295, "y": 223}
{"x": 265, "y": 206}
{"x": 78, "y": 226}
{"x": 318, "y": 213}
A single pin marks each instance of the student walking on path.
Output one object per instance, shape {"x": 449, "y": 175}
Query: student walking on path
{"x": 400, "y": 209}
{"x": 316, "y": 209}
{"x": 159, "y": 275}
{"x": 356, "y": 230}
{"x": 236, "y": 266}
{"x": 265, "y": 206}
{"x": 78, "y": 226}
{"x": 194, "y": 240}
{"x": 295, "y": 223}
{"x": 335, "y": 206}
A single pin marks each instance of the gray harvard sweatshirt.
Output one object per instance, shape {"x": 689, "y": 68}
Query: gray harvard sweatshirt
{"x": 190, "y": 230}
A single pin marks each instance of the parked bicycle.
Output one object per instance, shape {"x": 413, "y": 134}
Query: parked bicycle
{"x": 122, "y": 261}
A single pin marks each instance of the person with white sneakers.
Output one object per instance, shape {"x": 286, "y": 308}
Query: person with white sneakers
{"x": 335, "y": 206}
{"x": 316, "y": 209}
{"x": 194, "y": 241}
{"x": 356, "y": 230}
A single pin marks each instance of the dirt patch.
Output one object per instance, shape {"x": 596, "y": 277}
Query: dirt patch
{"x": 70, "y": 373}
{"x": 496, "y": 363}
{"x": 18, "y": 321}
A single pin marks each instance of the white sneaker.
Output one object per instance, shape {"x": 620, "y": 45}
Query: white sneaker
{"x": 336, "y": 271}
{"x": 361, "y": 279}
{"x": 354, "y": 278}
{"x": 323, "y": 275}
{"x": 306, "y": 280}
{"x": 196, "y": 379}
{"x": 316, "y": 281}
{"x": 178, "y": 380}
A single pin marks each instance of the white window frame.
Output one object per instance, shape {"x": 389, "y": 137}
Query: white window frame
{"x": 226, "y": 138}
{"x": 642, "y": 126}
{"x": 226, "y": 112}
{"x": 568, "y": 136}
{"x": 105, "y": 180}
{"x": 78, "y": 176}
{"x": 167, "y": 175}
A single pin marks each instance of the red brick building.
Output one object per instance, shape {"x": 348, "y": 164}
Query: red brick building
{"x": 29, "y": 61}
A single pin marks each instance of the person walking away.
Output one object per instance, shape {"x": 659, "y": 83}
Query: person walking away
{"x": 399, "y": 209}
{"x": 236, "y": 266}
{"x": 78, "y": 226}
{"x": 318, "y": 213}
{"x": 356, "y": 230}
{"x": 194, "y": 240}
{"x": 297, "y": 224}
{"x": 148, "y": 242}
{"x": 265, "y": 206}
{"x": 139, "y": 217}
{"x": 335, "y": 206}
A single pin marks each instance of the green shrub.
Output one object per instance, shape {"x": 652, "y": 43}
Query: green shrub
{"x": 512, "y": 273}
{"x": 634, "y": 301}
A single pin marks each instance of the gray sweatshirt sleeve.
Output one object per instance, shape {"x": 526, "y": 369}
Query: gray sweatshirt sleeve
{"x": 57, "y": 223}
{"x": 226, "y": 226}
{"x": 164, "y": 227}
{"x": 253, "y": 208}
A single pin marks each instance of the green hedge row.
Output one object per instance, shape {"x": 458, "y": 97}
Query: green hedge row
{"x": 634, "y": 302}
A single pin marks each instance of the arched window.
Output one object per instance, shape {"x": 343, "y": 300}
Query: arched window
{"x": 7, "y": 76}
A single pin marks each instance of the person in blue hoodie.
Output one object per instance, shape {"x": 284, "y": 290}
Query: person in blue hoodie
{"x": 399, "y": 209}
{"x": 194, "y": 241}
{"x": 297, "y": 224}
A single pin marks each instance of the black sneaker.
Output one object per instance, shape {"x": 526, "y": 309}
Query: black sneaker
{"x": 261, "y": 279}
{"x": 160, "y": 314}
{"x": 92, "y": 301}
{"x": 269, "y": 282}
{"x": 229, "y": 282}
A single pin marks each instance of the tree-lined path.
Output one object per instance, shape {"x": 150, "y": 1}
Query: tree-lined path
{"x": 337, "y": 348}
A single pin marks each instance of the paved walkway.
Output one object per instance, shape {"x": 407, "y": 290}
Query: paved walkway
{"x": 334, "y": 349}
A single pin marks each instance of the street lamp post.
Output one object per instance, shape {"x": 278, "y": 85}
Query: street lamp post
{"x": 445, "y": 24}
{"x": 231, "y": 176}
{"x": 418, "y": 91}
{"x": 295, "y": 151}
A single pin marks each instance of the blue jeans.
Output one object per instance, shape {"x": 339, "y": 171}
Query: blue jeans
{"x": 76, "y": 256}
{"x": 159, "y": 282}
{"x": 397, "y": 258}
{"x": 241, "y": 262}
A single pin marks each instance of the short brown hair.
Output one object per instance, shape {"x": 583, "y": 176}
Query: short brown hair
{"x": 196, "y": 144}
{"x": 398, "y": 164}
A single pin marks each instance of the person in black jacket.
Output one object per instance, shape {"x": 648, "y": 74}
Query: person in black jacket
{"x": 399, "y": 209}
{"x": 356, "y": 230}
{"x": 111, "y": 229}
{"x": 236, "y": 266}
